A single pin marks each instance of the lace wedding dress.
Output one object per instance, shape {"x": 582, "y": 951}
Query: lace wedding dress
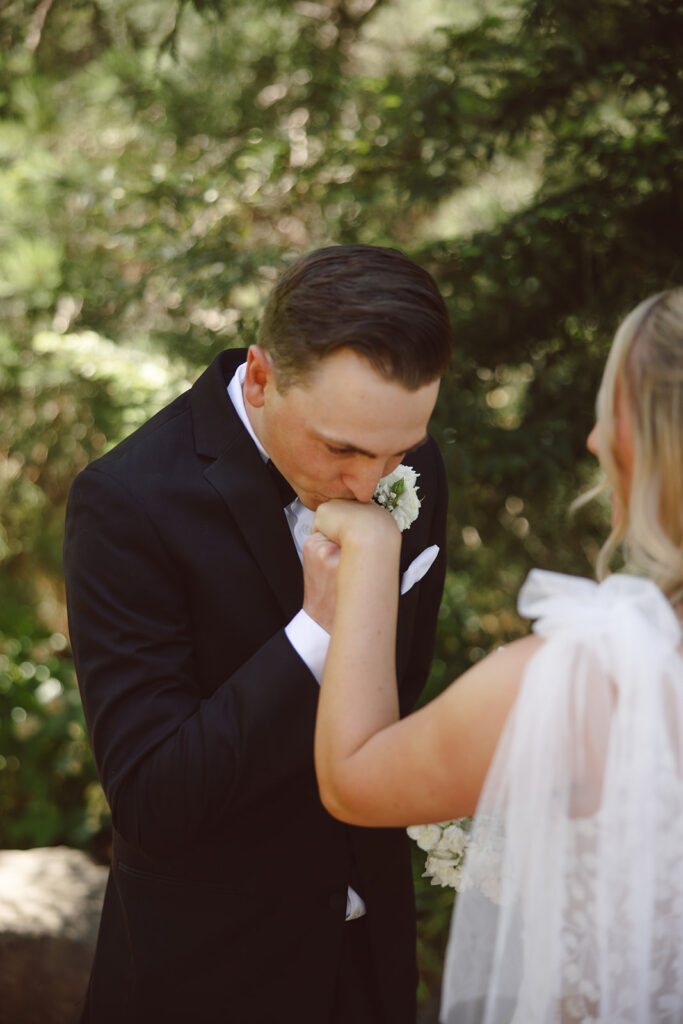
{"x": 581, "y": 821}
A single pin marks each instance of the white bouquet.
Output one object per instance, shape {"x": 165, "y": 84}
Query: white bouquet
{"x": 445, "y": 844}
{"x": 397, "y": 493}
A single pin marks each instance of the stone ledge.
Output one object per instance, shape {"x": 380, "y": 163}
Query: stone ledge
{"x": 50, "y": 902}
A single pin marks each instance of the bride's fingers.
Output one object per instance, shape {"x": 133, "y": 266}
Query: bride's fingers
{"x": 331, "y": 516}
{"x": 338, "y": 518}
{"x": 321, "y": 548}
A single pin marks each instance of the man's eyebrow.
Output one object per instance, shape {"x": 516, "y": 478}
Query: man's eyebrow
{"x": 348, "y": 447}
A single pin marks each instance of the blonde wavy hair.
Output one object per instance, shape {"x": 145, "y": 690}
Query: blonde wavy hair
{"x": 646, "y": 360}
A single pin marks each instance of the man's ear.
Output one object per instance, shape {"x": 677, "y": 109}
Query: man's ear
{"x": 259, "y": 375}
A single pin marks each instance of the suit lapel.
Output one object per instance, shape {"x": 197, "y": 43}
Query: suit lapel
{"x": 238, "y": 473}
{"x": 240, "y": 477}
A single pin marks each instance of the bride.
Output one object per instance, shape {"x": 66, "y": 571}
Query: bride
{"x": 566, "y": 743}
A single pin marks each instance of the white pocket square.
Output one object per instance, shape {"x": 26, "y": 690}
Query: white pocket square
{"x": 418, "y": 568}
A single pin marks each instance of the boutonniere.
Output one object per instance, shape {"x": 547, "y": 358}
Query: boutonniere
{"x": 397, "y": 493}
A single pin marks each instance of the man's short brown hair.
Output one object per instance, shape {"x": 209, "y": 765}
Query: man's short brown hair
{"x": 368, "y": 298}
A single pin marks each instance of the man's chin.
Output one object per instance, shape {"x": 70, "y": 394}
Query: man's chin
{"x": 312, "y": 501}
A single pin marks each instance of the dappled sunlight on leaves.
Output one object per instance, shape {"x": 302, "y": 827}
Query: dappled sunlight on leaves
{"x": 161, "y": 164}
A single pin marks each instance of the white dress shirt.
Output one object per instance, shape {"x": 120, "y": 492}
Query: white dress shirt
{"x": 309, "y": 640}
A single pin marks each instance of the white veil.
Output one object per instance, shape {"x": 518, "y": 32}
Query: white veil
{"x": 579, "y": 829}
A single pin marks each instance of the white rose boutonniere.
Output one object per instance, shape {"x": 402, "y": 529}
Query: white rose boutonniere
{"x": 397, "y": 493}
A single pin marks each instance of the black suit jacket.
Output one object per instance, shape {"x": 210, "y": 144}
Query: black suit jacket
{"x": 227, "y": 893}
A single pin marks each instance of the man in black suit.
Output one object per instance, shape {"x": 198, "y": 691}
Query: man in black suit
{"x": 233, "y": 896}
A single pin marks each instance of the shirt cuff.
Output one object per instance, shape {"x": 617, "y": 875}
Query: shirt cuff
{"x": 310, "y": 641}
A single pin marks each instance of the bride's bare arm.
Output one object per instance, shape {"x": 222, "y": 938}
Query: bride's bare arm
{"x": 372, "y": 768}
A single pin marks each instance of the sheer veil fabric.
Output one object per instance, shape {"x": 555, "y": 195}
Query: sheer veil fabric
{"x": 579, "y": 831}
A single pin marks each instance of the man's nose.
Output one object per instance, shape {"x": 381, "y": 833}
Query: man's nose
{"x": 363, "y": 482}
{"x": 592, "y": 440}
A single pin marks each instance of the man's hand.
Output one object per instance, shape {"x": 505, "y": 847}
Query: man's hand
{"x": 321, "y": 560}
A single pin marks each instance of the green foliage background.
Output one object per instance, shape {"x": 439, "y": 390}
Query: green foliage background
{"x": 160, "y": 164}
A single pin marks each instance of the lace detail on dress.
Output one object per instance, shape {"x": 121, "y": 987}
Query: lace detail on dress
{"x": 639, "y": 935}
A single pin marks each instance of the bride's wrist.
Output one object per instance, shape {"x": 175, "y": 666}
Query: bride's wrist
{"x": 372, "y": 550}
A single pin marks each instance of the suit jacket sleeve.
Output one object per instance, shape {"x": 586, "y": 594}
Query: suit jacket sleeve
{"x": 177, "y": 761}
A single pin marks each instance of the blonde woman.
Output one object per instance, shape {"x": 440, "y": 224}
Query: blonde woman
{"x": 566, "y": 743}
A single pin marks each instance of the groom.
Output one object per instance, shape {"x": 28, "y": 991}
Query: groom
{"x": 233, "y": 897}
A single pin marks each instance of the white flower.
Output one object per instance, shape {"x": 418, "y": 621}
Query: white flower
{"x": 397, "y": 493}
{"x": 445, "y": 873}
{"x": 445, "y": 844}
{"x": 454, "y": 840}
{"x": 426, "y": 836}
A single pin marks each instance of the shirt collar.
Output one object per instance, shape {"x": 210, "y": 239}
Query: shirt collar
{"x": 237, "y": 399}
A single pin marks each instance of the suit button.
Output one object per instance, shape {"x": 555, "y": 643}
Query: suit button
{"x": 338, "y": 902}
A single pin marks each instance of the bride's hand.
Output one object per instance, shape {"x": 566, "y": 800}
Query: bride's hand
{"x": 344, "y": 528}
{"x": 350, "y": 522}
